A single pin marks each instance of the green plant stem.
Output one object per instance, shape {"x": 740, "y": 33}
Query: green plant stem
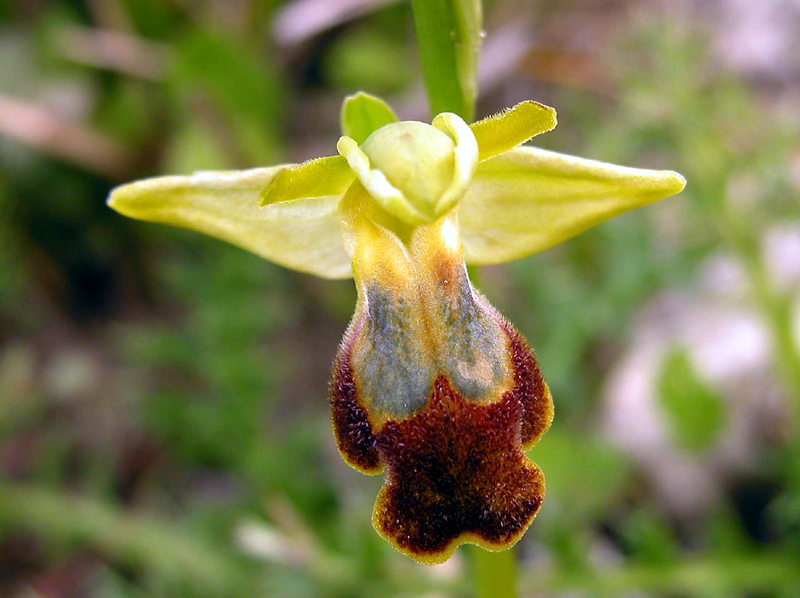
{"x": 495, "y": 573}
{"x": 449, "y": 39}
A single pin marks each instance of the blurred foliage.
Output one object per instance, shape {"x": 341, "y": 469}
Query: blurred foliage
{"x": 163, "y": 422}
{"x": 695, "y": 412}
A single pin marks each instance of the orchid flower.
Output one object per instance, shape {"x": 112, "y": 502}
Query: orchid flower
{"x": 431, "y": 385}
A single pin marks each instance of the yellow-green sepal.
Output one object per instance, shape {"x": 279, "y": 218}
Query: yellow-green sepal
{"x": 363, "y": 114}
{"x": 512, "y": 127}
{"x": 314, "y": 178}
{"x": 528, "y": 199}
{"x": 303, "y": 235}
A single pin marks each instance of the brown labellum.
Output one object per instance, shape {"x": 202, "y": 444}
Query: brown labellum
{"x": 433, "y": 386}
{"x": 455, "y": 471}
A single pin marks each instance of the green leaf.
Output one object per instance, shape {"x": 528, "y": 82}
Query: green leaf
{"x": 508, "y": 129}
{"x": 363, "y": 114}
{"x": 695, "y": 412}
{"x": 449, "y": 40}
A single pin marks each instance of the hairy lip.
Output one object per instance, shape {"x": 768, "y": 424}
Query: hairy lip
{"x": 456, "y": 469}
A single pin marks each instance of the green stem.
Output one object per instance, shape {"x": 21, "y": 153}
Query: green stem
{"x": 449, "y": 39}
{"x": 495, "y": 573}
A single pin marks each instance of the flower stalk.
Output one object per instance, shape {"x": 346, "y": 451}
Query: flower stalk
{"x": 495, "y": 573}
{"x": 449, "y": 36}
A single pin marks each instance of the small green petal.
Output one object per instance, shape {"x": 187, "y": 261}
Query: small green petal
{"x": 378, "y": 186}
{"x": 302, "y": 235}
{"x": 508, "y": 129}
{"x": 527, "y": 200}
{"x": 363, "y": 114}
{"x": 314, "y": 178}
{"x": 465, "y": 158}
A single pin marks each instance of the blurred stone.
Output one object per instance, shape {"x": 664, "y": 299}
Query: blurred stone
{"x": 72, "y": 374}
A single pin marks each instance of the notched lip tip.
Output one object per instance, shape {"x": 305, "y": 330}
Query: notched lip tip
{"x": 440, "y": 557}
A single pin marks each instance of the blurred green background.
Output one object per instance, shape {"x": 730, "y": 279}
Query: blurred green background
{"x": 163, "y": 415}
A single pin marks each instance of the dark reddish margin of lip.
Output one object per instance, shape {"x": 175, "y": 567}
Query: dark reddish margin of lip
{"x": 529, "y": 387}
{"x": 351, "y": 426}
